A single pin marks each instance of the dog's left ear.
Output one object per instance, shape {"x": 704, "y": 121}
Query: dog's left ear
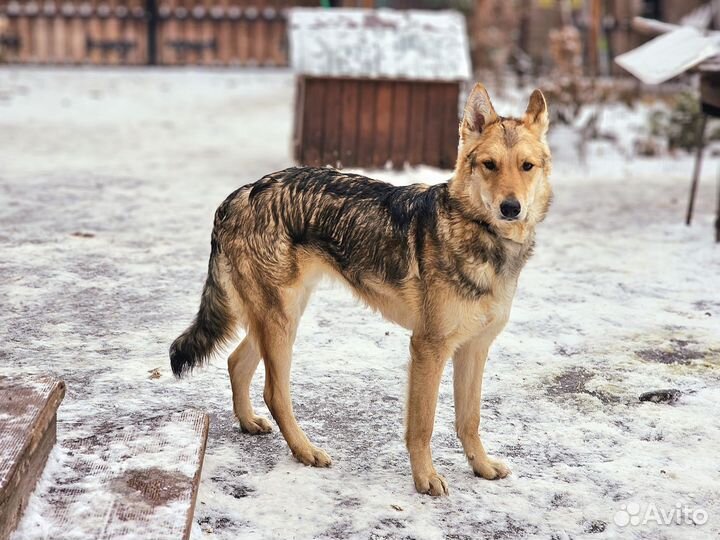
{"x": 536, "y": 116}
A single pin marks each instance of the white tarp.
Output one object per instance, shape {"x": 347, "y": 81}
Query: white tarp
{"x": 669, "y": 55}
{"x": 385, "y": 43}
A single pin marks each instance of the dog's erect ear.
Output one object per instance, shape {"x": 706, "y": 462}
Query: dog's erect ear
{"x": 479, "y": 112}
{"x": 536, "y": 116}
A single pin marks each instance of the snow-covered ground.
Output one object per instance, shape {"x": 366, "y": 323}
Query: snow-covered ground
{"x": 108, "y": 183}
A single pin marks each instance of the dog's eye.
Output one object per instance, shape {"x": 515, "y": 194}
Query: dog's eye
{"x": 489, "y": 164}
{"x": 527, "y": 166}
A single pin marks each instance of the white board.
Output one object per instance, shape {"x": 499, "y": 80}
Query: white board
{"x": 669, "y": 55}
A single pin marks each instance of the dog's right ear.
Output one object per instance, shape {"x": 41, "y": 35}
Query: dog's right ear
{"x": 479, "y": 113}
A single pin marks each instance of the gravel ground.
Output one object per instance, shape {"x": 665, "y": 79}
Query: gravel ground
{"x": 108, "y": 183}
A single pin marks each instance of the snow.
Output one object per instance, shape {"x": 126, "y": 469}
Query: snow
{"x": 618, "y": 289}
{"x": 385, "y": 43}
{"x": 128, "y": 481}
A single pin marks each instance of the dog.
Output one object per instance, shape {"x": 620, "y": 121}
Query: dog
{"x": 441, "y": 260}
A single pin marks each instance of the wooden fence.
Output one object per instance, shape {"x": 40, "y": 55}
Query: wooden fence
{"x": 167, "y": 32}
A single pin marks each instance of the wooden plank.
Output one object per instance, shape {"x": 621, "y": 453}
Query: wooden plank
{"x": 366, "y": 123}
{"x": 313, "y": 119}
{"x": 77, "y": 38}
{"x": 168, "y": 31}
{"x": 186, "y": 32}
{"x": 136, "y": 31}
{"x": 383, "y": 123}
{"x": 259, "y": 40}
{"x": 13, "y": 30}
{"x": 112, "y": 33}
{"x": 58, "y": 43}
{"x": 208, "y": 33}
{"x": 133, "y": 479}
{"x": 223, "y": 32}
{"x": 451, "y": 122}
{"x": 416, "y": 127}
{"x": 400, "y": 123}
{"x": 276, "y": 35}
{"x": 40, "y": 35}
{"x": 433, "y": 128}
{"x": 298, "y": 118}
{"x": 26, "y": 42}
{"x": 349, "y": 114}
{"x": 241, "y": 30}
{"x": 331, "y": 127}
{"x": 28, "y": 410}
{"x": 95, "y": 33}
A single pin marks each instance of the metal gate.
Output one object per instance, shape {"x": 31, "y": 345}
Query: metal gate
{"x": 137, "y": 32}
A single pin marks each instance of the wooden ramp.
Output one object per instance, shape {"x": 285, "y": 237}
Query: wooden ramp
{"x": 136, "y": 480}
{"x": 28, "y": 408}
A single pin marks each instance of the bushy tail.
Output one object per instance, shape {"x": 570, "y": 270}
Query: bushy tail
{"x": 213, "y": 324}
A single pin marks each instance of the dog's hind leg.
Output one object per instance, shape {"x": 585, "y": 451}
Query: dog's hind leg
{"x": 242, "y": 364}
{"x": 276, "y": 335}
{"x": 468, "y": 366}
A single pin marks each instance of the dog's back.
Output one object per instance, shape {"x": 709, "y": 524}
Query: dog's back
{"x": 363, "y": 228}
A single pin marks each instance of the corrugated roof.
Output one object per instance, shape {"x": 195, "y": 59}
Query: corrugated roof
{"x": 383, "y": 43}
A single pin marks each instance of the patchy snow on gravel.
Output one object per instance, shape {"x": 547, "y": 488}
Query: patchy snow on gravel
{"x": 108, "y": 183}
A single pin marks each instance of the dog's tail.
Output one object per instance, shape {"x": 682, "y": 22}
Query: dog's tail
{"x": 213, "y": 324}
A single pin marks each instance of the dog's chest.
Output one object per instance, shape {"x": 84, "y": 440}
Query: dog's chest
{"x": 491, "y": 312}
{"x": 488, "y": 310}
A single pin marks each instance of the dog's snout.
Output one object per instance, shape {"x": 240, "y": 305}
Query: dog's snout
{"x": 510, "y": 208}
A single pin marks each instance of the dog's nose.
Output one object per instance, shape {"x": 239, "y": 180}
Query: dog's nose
{"x": 510, "y": 208}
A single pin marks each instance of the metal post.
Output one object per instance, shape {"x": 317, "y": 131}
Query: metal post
{"x": 696, "y": 171}
{"x": 151, "y": 9}
{"x": 717, "y": 213}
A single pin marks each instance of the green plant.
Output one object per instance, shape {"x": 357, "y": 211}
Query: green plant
{"x": 680, "y": 124}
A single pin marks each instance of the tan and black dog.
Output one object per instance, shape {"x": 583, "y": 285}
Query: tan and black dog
{"x": 442, "y": 261}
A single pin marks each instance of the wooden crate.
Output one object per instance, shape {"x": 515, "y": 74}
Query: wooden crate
{"x": 345, "y": 122}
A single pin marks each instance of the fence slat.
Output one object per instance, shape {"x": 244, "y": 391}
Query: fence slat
{"x": 400, "y": 123}
{"x": 366, "y": 132}
{"x": 349, "y": 123}
{"x": 313, "y": 122}
{"x": 416, "y": 128}
{"x": 383, "y": 125}
{"x": 433, "y": 128}
{"x": 331, "y": 136}
{"x": 451, "y": 121}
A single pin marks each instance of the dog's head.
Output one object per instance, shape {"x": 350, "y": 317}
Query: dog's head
{"x": 503, "y": 163}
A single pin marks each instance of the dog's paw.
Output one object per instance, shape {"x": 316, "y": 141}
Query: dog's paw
{"x": 431, "y": 484}
{"x": 490, "y": 469}
{"x": 312, "y": 455}
{"x": 256, "y": 425}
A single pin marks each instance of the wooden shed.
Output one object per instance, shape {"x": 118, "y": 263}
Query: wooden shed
{"x": 377, "y": 87}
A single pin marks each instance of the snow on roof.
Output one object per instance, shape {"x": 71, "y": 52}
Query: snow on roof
{"x": 383, "y": 43}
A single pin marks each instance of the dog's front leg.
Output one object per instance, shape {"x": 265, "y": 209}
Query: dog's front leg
{"x": 428, "y": 358}
{"x": 468, "y": 366}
